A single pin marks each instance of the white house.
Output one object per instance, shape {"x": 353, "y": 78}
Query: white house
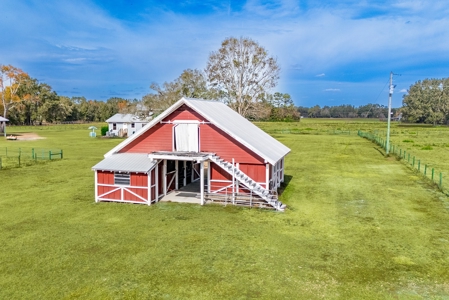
{"x": 125, "y": 124}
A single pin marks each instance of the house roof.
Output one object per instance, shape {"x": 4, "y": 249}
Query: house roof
{"x": 227, "y": 120}
{"x": 125, "y": 118}
{"x": 3, "y": 119}
{"x": 126, "y": 162}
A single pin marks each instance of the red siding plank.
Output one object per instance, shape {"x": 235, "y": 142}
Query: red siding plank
{"x": 158, "y": 138}
{"x": 213, "y": 139}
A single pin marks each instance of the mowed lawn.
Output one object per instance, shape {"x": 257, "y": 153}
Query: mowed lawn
{"x": 358, "y": 226}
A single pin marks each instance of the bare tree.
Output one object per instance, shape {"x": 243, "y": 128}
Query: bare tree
{"x": 243, "y": 71}
{"x": 190, "y": 84}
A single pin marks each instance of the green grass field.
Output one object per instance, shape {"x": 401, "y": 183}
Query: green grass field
{"x": 358, "y": 226}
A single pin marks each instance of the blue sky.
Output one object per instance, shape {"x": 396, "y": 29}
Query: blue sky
{"x": 330, "y": 52}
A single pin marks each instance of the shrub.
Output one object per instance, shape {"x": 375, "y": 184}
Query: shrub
{"x": 408, "y": 141}
{"x": 104, "y": 129}
{"x": 428, "y": 147}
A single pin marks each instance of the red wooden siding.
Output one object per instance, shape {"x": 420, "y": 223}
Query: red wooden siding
{"x": 158, "y": 138}
{"x": 139, "y": 179}
{"x": 256, "y": 172}
{"x": 105, "y": 177}
{"x": 213, "y": 139}
{"x": 217, "y": 173}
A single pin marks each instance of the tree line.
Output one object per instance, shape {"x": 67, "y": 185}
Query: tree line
{"x": 240, "y": 73}
{"x": 370, "y": 110}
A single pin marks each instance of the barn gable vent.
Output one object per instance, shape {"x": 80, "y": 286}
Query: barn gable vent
{"x": 122, "y": 178}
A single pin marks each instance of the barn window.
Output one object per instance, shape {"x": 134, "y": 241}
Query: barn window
{"x": 114, "y": 126}
{"x": 122, "y": 179}
{"x": 133, "y": 125}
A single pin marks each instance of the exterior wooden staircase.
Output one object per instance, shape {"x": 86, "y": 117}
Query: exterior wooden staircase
{"x": 252, "y": 185}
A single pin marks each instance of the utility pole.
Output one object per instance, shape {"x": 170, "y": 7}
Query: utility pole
{"x": 387, "y": 150}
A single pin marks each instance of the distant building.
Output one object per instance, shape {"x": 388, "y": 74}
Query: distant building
{"x": 397, "y": 118}
{"x": 125, "y": 124}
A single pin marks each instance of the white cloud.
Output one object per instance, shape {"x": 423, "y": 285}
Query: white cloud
{"x": 94, "y": 46}
{"x": 403, "y": 91}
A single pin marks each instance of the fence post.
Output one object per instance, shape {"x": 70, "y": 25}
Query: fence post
{"x": 61, "y": 154}
{"x": 441, "y": 180}
{"x": 419, "y": 164}
{"x": 19, "y": 160}
{"x": 32, "y": 153}
{"x": 49, "y": 155}
{"x": 408, "y": 159}
{"x": 413, "y": 165}
{"x": 425, "y": 169}
{"x": 433, "y": 172}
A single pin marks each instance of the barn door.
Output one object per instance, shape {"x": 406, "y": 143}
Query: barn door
{"x": 186, "y": 137}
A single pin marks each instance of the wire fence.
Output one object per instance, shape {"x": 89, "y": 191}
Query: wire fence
{"x": 426, "y": 170}
{"x": 18, "y": 157}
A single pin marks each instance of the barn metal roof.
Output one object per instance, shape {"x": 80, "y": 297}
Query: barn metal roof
{"x": 227, "y": 120}
{"x": 125, "y": 118}
{"x": 3, "y": 119}
{"x": 126, "y": 162}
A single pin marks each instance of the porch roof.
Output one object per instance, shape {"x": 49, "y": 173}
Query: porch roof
{"x": 126, "y": 162}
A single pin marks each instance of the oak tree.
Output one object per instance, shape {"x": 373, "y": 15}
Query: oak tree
{"x": 243, "y": 71}
{"x": 427, "y": 101}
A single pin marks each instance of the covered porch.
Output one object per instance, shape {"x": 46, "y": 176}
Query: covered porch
{"x": 184, "y": 176}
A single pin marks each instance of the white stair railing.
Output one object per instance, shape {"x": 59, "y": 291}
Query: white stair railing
{"x": 252, "y": 185}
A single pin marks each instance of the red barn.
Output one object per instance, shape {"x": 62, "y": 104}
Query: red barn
{"x": 195, "y": 141}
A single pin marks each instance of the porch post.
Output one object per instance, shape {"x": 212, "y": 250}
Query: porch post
{"x": 164, "y": 176}
{"x": 156, "y": 180}
{"x": 208, "y": 176}
{"x": 267, "y": 176}
{"x": 149, "y": 187}
{"x": 202, "y": 181}
{"x": 233, "y": 181}
{"x": 236, "y": 180}
{"x": 96, "y": 186}
{"x": 282, "y": 169}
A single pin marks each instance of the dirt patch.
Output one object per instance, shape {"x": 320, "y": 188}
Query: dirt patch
{"x": 28, "y": 136}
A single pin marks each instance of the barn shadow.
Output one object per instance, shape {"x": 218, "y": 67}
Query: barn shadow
{"x": 287, "y": 179}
